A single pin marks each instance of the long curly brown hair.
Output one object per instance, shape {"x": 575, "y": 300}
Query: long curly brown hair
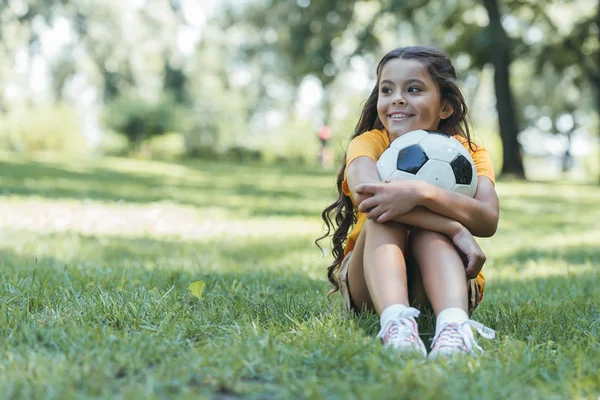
{"x": 340, "y": 216}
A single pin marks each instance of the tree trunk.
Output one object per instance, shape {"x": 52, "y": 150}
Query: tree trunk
{"x": 501, "y": 58}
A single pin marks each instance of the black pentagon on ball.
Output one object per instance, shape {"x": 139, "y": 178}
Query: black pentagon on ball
{"x": 411, "y": 159}
{"x": 463, "y": 172}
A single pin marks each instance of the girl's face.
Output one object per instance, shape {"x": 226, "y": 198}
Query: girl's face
{"x": 409, "y": 99}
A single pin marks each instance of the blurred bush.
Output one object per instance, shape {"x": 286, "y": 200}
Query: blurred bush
{"x": 113, "y": 144}
{"x": 218, "y": 125}
{"x": 296, "y": 143}
{"x": 167, "y": 147}
{"x": 54, "y": 128}
{"x": 591, "y": 162}
{"x": 139, "y": 119}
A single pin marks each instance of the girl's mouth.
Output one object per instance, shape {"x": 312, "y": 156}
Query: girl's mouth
{"x": 398, "y": 116}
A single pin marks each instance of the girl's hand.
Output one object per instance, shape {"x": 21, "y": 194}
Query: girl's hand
{"x": 389, "y": 199}
{"x": 359, "y": 198}
{"x": 472, "y": 254}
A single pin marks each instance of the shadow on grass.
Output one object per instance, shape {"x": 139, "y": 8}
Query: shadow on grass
{"x": 41, "y": 179}
{"x": 237, "y": 188}
{"x": 571, "y": 255}
{"x": 558, "y": 215}
{"x": 154, "y": 253}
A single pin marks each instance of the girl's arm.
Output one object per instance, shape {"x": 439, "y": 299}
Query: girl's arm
{"x": 363, "y": 171}
{"x": 479, "y": 214}
{"x": 362, "y": 175}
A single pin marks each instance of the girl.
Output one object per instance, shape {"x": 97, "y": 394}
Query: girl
{"x": 411, "y": 243}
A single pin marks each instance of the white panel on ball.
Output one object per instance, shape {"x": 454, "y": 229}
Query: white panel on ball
{"x": 467, "y": 190}
{"x": 437, "y": 173}
{"x": 409, "y": 138}
{"x": 397, "y": 175}
{"x": 386, "y": 165}
{"x": 438, "y": 147}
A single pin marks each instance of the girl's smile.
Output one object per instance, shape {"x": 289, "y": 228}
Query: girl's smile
{"x": 408, "y": 99}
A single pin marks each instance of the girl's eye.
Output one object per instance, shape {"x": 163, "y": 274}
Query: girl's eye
{"x": 413, "y": 89}
{"x": 386, "y": 90}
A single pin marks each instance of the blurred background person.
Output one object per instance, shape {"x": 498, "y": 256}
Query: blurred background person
{"x": 325, "y": 153}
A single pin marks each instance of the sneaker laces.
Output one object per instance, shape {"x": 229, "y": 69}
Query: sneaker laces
{"x": 402, "y": 328}
{"x": 455, "y": 335}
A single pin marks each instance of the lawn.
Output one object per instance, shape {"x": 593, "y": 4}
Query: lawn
{"x": 97, "y": 256}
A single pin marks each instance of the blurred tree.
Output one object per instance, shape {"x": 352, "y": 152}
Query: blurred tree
{"x": 17, "y": 37}
{"x": 573, "y": 53}
{"x": 128, "y": 50}
{"x": 294, "y": 38}
{"x": 176, "y": 83}
{"x": 578, "y": 49}
{"x": 139, "y": 119}
{"x": 218, "y": 119}
{"x": 121, "y": 46}
{"x": 501, "y": 58}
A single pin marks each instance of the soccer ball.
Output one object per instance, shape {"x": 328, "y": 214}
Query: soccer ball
{"x": 431, "y": 156}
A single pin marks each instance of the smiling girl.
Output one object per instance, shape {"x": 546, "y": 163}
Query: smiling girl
{"x": 411, "y": 243}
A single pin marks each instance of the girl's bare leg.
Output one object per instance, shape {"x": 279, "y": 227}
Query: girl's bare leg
{"x": 377, "y": 270}
{"x": 442, "y": 272}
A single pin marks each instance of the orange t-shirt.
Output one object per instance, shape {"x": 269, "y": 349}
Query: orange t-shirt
{"x": 372, "y": 144}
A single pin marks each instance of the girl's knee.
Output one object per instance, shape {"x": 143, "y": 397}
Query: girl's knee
{"x": 422, "y": 234}
{"x": 387, "y": 232}
{"x": 423, "y": 238}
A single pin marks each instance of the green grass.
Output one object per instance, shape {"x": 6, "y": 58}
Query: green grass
{"x": 96, "y": 257}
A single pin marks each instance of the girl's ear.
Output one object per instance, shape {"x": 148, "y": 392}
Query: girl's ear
{"x": 446, "y": 110}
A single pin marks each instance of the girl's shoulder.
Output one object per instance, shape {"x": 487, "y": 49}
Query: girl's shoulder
{"x": 371, "y": 144}
{"x": 472, "y": 147}
{"x": 374, "y": 135}
{"x": 481, "y": 158}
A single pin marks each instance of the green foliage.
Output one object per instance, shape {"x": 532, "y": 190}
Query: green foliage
{"x": 168, "y": 146}
{"x": 591, "y": 162}
{"x": 219, "y": 122}
{"x": 220, "y": 117}
{"x": 296, "y": 142}
{"x": 139, "y": 119}
{"x": 95, "y": 302}
{"x": 563, "y": 61}
{"x": 300, "y": 38}
{"x": 164, "y": 147}
{"x": 53, "y": 128}
{"x": 113, "y": 144}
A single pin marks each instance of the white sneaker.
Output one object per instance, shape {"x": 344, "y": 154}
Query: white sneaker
{"x": 402, "y": 333}
{"x": 454, "y": 338}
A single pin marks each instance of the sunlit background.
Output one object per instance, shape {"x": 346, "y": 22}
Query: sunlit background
{"x": 148, "y": 148}
{"x": 255, "y": 79}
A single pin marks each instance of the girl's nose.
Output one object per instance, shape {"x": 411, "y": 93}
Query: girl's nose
{"x": 398, "y": 101}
